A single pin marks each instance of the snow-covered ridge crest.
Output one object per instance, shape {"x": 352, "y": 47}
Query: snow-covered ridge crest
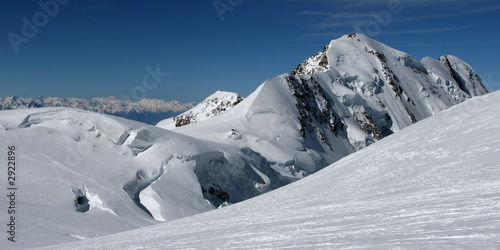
{"x": 212, "y": 106}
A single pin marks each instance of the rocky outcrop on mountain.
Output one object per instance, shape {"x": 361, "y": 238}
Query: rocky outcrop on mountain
{"x": 314, "y": 64}
{"x": 212, "y": 106}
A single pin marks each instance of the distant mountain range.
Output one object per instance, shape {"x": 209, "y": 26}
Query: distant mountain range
{"x": 149, "y": 111}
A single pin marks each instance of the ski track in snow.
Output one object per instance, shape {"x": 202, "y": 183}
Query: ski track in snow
{"x": 435, "y": 184}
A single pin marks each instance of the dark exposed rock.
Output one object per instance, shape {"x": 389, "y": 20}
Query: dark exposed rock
{"x": 455, "y": 75}
{"x": 314, "y": 107}
{"x": 394, "y": 82}
{"x": 308, "y": 68}
{"x": 219, "y": 105}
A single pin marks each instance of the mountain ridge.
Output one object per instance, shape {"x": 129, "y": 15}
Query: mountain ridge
{"x": 362, "y": 93}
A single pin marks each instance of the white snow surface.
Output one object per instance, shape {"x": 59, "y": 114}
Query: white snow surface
{"x": 435, "y": 184}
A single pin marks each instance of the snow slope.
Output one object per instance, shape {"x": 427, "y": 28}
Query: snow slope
{"x": 146, "y": 110}
{"x": 435, "y": 184}
{"x": 82, "y": 174}
{"x": 352, "y": 93}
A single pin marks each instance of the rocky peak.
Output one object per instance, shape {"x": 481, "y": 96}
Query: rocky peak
{"x": 212, "y": 106}
{"x": 314, "y": 64}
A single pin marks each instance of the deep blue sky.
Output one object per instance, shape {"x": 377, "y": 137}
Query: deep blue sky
{"x": 102, "y": 48}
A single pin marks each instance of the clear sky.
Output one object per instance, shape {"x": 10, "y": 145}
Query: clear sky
{"x": 96, "y": 48}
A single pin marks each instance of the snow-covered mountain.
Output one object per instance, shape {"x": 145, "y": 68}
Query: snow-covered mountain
{"x": 352, "y": 93}
{"x": 86, "y": 174}
{"x": 433, "y": 185}
{"x": 212, "y": 106}
{"x": 147, "y": 110}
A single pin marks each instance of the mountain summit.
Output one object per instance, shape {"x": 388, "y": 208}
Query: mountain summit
{"x": 352, "y": 93}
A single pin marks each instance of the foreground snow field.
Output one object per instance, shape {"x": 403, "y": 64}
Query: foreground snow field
{"x": 435, "y": 184}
